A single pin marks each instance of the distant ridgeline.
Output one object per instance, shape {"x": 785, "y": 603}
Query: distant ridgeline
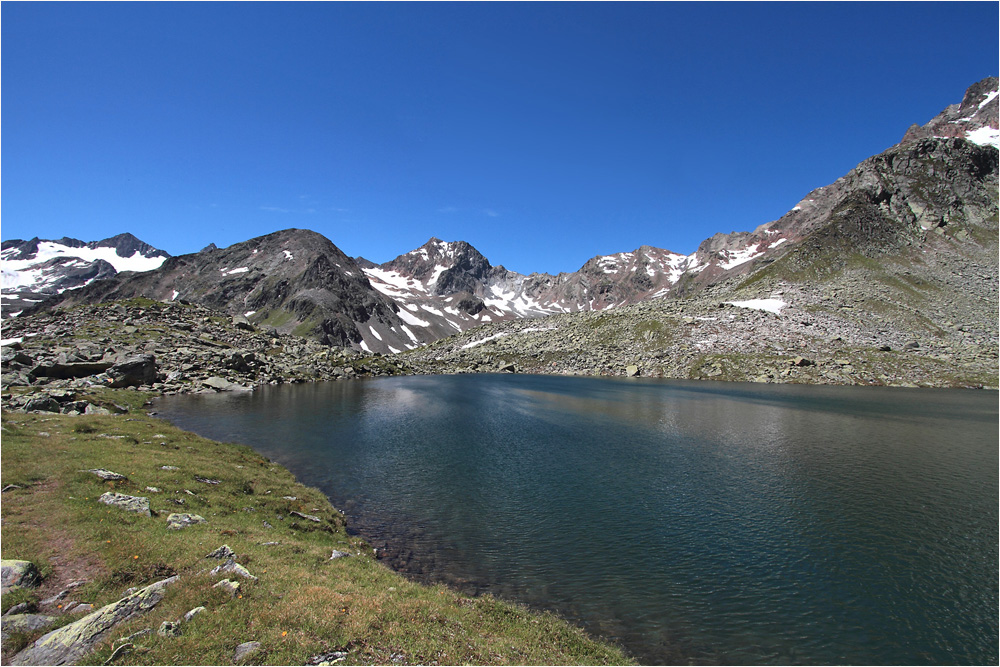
{"x": 904, "y": 246}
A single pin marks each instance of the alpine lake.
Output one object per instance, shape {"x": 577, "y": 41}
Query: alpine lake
{"x": 689, "y": 522}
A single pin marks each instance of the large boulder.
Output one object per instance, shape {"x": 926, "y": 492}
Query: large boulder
{"x": 133, "y": 371}
{"x": 71, "y": 642}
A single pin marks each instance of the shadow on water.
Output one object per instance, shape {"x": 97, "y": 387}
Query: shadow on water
{"x": 690, "y": 521}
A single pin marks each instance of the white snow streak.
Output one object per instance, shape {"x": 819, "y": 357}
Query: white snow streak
{"x": 412, "y": 319}
{"x": 984, "y": 136}
{"x": 737, "y": 257}
{"x": 770, "y": 305}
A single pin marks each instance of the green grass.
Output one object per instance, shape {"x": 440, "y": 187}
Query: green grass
{"x": 303, "y": 603}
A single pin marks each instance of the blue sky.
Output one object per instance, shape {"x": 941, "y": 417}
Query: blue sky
{"x": 543, "y": 134}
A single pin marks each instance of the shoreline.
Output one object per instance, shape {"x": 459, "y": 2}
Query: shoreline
{"x": 323, "y": 530}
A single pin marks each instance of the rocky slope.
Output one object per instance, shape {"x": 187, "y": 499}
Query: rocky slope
{"x": 887, "y": 276}
{"x": 51, "y": 361}
{"x": 37, "y": 269}
{"x": 293, "y": 281}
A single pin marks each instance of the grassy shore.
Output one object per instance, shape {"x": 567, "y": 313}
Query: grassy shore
{"x": 302, "y": 605}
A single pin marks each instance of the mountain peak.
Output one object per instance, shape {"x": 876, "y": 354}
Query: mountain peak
{"x": 975, "y": 119}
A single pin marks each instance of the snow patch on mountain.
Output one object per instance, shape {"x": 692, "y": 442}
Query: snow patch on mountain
{"x": 770, "y": 305}
{"x": 48, "y": 250}
{"x": 985, "y": 136}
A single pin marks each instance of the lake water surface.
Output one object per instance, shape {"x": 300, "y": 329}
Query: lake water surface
{"x": 688, "y": 521}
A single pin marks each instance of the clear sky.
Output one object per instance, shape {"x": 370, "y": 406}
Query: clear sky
{"x": 543, "y": 134}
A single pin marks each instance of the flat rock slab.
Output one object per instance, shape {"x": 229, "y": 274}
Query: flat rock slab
{"x": 177, "y": 521}
{"x": 18, "y": 574}
{"x": 69, "y": 643}
{"x": 106, "y": 475}
{"x": 221, "y": 384}
{"x": 128, "y": 503}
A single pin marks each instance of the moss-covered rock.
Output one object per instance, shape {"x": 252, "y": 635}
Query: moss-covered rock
{"x": 69, "y": 643}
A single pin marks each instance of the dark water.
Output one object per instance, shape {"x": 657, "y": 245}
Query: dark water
{"x": 690, "y": 522}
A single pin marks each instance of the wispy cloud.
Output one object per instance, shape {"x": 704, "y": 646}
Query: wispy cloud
{"x": 448, "y": 209}
{"x": 279, "y": 209}
{"x": 490, "y": 212}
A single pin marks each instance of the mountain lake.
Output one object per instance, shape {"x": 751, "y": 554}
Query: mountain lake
{"x": 690, "y": 522}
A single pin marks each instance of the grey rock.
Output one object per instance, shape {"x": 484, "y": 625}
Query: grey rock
{"x": 330, "y": 658}
{"x": 191, "y": 614}
{"x": 339, "y": 554}
{"x": 136, "y": 504}
{"x": 22, "y": 608}
{"x": 307, "y": 517}
{"x": 222, "y": 552}
{"x": 169, "y": 629}
{"x": 43, "y": 403}
{"x": 69, "y": 643}
{"x": 18, "y": 574}
{"x": 232, "y": 567}
{"x": 229, "y": 586}
{"x": 133, "y": 371}
{"x": 244, "y": 650}
{"x": 632, "y": 370}
{"x": 23, "y": 623}
{"x": 177, "y": 521}
{"x": 221, "y": 384}
{"x": 106, "y": 475}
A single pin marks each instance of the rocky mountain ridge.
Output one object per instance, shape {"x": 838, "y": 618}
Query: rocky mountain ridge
{"x": 934, "y": 192}
{"x": 37, "y": 269}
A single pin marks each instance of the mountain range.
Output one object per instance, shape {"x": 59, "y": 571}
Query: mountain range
{"x": 898, "y": 222}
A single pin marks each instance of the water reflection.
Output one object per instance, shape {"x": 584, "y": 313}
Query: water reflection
{"x": 700, "y": 522}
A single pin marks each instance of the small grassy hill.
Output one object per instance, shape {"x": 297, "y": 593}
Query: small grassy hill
{"x": 303, "y": 607}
